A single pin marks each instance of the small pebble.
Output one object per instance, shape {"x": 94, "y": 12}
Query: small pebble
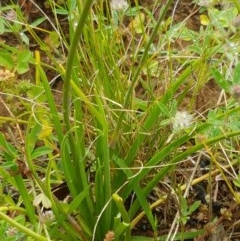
{"x": 236, "y": 21}
{"x": 236, "y": 92}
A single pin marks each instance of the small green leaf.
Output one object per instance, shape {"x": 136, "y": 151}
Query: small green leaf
{"x": 194, "y": 207}
{"x": 41, "y": 151}
{"x": 184, "y": 206}
{"x": 62, "y": 11}
{"x": 38, "y": 21}
{"x": 6, "y": 60}
{"x": 9, "y": 165}
{"x": 23, "y": 60}
{"x": 237, "y": 181}
{"x": 24, "y": 38}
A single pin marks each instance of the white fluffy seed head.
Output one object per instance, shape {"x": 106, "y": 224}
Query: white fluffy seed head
{"x": 119, "y": 5}
{"x": 182, "y": 120}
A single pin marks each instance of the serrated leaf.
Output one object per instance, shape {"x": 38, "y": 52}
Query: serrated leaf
{"x": 46, "y": 202}
{"x": 42, "y": 198}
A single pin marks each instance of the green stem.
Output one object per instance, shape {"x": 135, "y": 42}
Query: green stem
{"x": 72, "y": 52}
{"x": 69, "y": 69}
{"x": 138, "y": 71}
{"x": 22, "y": 228}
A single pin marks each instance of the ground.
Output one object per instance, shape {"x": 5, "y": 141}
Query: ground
{"x": 207, "y": 98}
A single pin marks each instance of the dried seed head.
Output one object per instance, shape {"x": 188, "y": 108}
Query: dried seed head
{"x": 11, "y": 15}
{"x": 109, "y": 236}
{"x": 48, "y": 216}
{"x": 11, "y": 232}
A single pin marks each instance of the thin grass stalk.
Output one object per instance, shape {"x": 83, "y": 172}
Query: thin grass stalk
{"x": 98, "y": 117}
{"x": 127, "y": 100}
{"x": 103, "y": 59}
{"x": 68, "y": 74}
{"x": 22, "y": 228}
{"x": 12, "y": 155}
{"x": 55, "y": 117}
{"x": 155, "y": 110}
{"x": 183, "y": 187}
{"x": 68, "y": 169}
{"x": 104, "y": 159}
{"x": 26, "y": 199}
{"x": 83, "y": 175}
{"x": 102, "y": 150}
{"x": 54, "y": 113}
{"x": 70, "y": 59}
{"x": 80, "y": 163}
{"x": 158, "y": 157}
{"x": 77, "y": 172}
{"x": 162, "y": 173}
{"x": 31, "y": 137}
{"x": 152, "y": 117}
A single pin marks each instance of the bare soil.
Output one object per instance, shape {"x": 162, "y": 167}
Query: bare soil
{"x": 221, "y": 207}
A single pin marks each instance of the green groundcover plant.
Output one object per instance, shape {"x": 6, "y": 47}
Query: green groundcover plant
{"x": 109, "y": 144}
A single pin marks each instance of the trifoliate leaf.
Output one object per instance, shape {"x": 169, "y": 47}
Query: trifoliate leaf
{"x": 42, "y": 198}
